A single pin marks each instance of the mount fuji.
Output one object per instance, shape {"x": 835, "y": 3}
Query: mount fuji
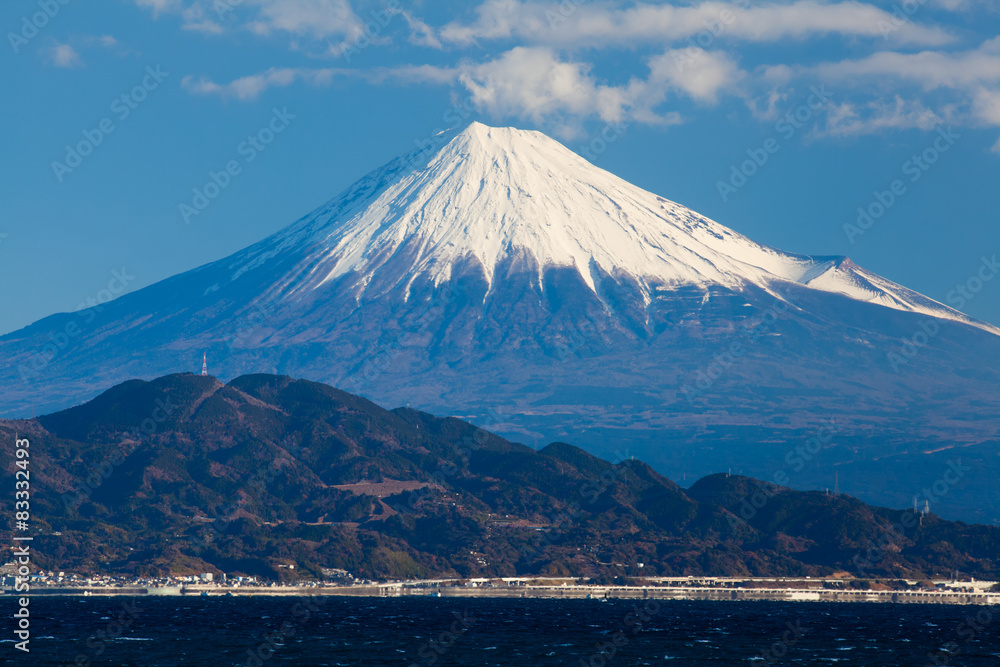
{"x": 504, "y": 279}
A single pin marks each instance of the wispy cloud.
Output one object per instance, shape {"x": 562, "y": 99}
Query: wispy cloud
{"x": 849, "y": 119}
{"x": 251, "y": 87}
{"x": 928, "y": 69}
{"x": 318, "y": 19}
{"x": 421, "y": 33}
{"x": 541, "y": 60}
{"x": 69, "y": 54}
{"x": 970, "y": 81}
{"x": 64, "y": 55}
{"x": 332, "y": 21}
{"x": 602, "y": 25}
{"x": 967, "y": 6}
{"x": 197, "y": 19}
{"x": 106, "y": 41}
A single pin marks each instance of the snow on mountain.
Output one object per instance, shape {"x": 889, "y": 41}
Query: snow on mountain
{"x": 496, "y": 194}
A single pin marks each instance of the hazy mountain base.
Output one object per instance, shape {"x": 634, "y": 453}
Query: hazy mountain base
{"x": 185, "y": 474}
{"x": 552, "y": 364}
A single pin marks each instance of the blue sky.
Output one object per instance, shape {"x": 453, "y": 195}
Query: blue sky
{"x": 778, "y": 119}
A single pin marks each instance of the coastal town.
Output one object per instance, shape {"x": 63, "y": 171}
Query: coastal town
{"x": 338, "y": 582}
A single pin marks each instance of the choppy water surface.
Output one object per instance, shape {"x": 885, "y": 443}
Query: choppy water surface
{"x": 223, "y": 632}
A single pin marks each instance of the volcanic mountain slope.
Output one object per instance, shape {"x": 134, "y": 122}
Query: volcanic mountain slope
{"x": 503, "y": 278}
{"x": 185, "y": 474}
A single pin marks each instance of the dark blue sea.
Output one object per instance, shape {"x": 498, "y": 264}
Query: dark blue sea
{"x": 401, "y": 632}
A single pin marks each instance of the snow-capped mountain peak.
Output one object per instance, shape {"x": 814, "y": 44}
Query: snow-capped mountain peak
{"x": 493, "y": 195}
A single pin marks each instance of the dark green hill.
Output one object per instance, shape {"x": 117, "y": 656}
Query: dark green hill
{"x": 186, "y": 474}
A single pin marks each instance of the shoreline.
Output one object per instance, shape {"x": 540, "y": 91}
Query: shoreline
{"x": 575, "y": 592}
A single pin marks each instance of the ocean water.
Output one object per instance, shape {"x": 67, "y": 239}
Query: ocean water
{"x": 402, "y": 632}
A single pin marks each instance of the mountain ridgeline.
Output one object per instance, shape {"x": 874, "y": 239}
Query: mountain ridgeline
{"x": 186, "y": 474}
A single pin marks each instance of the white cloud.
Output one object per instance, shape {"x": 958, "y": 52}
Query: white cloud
{"x": 986, "y": 106}
{"x": 318, "y": 19}
{"x": 592, "y": 25}
{"x": 532, "y": 83}
{"x": 64, "y": 55}
{"x": 700, "y": 74}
